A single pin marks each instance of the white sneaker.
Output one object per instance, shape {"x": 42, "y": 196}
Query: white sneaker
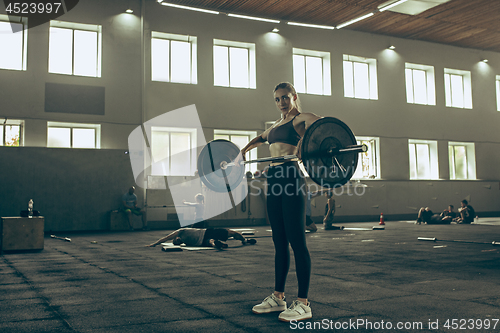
{"x": 270, "y": 304}
{"x": 296, "y": 311}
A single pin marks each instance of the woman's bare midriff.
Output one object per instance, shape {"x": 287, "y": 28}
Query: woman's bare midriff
{"x": 278, "y": 149}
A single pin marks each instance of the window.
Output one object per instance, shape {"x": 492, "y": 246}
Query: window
{"x": 457, "y": 88}
{"x": 173, "y": 150}
{"x": 234, "y": 64}
{"x": 368, "y": 166}
{"x": 498, "y": 92}
{"x": 13, "y": 44}
{"x": 11, "y": 132}
{"x": 423, "y": 159}
{"x": 420, "y": 88}
{"x": 75, "y": 49}
{"x": 360, "y": 77}
{"x": 69, "y": 135}
{"x": 240, "y": 139}
{"x": 311, "y": 72}
{"x": 462, "y": 160}
{"x": 173, "y": 58}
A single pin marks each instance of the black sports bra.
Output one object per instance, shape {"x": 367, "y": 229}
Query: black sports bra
{"x": 284, "y": 133}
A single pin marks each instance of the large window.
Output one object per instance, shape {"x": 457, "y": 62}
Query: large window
{"x": 75, "y": 49}
{"x": 458, "y": 88}
{"x": 13, "y": 42}
{"x": 173, "y": 58}
{"x": 234, "y": 64}
{"x": 420, "y": 88}
{"x": 360, "y": 77}
{"x": 11, "y": 132}
{"x": 240, "y": 139}
{"x": 71, "y": 135}
{"x": 311, "y": 72}
{"x": 423, "y": 159}
{"x": 498, "y": 92}
{"x": 462, "y": 160}
{"x": 368, "y": 162}
{"x": 173, "y": 150}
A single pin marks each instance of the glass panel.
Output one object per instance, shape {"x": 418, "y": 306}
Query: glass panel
{"x": 420, "y": 86}
{"x": 221, "y": 66}
{"x": 11, "y": 44}
{"x": 314, "y": 75}
{"x": 59, "y": 137}
{"x": 221, "y": 136}
{"x": 348, "y": 79}
{"x": 83, "y": 138}
{"x": 460, "y": 162}
{"x": 457, "y": 91}
{"x": 238, "y": 67}
{"x": 1, "y": 135}
{"x": 160, "y": 55}
{"x": 299, "y": 73}
{"x": 447, "y": 89}
{"x": 413, "y": 162}
{"x": 180, "y": 154}
{"x": 85, "y": 53}
{"x": 61, "y": 51}
{"x": 361, "y": 83}
{"x": 451, "y": 159}
{"x": 181, "y": 62}
{"x": 423, "y": 161}
{"x": 160, "y": 152}
{"x": 12, "y": 135}
{"x": 409, "y": 85}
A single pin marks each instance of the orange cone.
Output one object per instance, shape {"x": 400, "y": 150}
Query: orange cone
{"x": 381, "y": 219}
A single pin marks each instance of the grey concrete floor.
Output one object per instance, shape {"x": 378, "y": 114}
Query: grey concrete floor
{"x": 371, "y": 278}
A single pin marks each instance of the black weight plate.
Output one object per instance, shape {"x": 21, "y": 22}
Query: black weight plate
{"x": 209, "y": 170}
{"x": 323, "y": 135}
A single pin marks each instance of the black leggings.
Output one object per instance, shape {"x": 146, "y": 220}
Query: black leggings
{"x": 286, "y": 210}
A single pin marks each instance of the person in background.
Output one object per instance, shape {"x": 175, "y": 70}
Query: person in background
{"x": 199, "y": 207}
{"x": 129, "y": 201}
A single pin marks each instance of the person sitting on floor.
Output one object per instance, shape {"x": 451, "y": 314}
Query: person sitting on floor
{"x": 466, "y": 213}
{"x": 210, "y": 237}
{"x": 448, "y": 214}
{"x": 129, "y": 201}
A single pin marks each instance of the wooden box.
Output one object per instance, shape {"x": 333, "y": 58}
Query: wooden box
{"x": 21, "y": 233}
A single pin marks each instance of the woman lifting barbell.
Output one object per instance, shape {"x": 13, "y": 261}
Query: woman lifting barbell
{"x": 286, "y": 203}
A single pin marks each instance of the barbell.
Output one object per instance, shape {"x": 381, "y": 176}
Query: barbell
{"x": 329, "y": 153}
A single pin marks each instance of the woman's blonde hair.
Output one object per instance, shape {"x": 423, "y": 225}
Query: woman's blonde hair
{"x": 288, "y": 86}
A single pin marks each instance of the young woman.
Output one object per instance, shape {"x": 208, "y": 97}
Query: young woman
{"x": 286, "y": 204}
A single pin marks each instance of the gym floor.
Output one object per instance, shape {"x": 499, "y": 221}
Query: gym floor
{"x": 110, "y": 282}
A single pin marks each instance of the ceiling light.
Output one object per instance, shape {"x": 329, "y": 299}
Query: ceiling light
{"x": 394, "y": 4}
{"x": 190, "y": 8}
{"x": 392, "y": 47}
{"x": 312, "y": 25}
{"x": 340, "y": 26}
{"x": 276, "y": 30}
{"x": 484, "y": 60}
{"x": 130, "y": 11}
{"x": 253, "y": 18}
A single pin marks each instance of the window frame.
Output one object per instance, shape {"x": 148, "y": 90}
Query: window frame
{"x": 12, "y": 122}
{"x": 72, "y": 126}
{"x": 433, "y": 159}
{"x": 372, "y": 76}
{"x": 374, "y": 151}
{"x": 24, "y": 22}
{"x": 326, "y": 87}
{"x": 470, "y": 159}
{"x": 192, "y": 40}
{"x": 252, "y": 73}
{"x": 497, "y": 83}
{"x": 430, "y": 86}
{"x": 80, "y": 27}
{"x": 192, "y": 150}
{"x": 466, "y": 88}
